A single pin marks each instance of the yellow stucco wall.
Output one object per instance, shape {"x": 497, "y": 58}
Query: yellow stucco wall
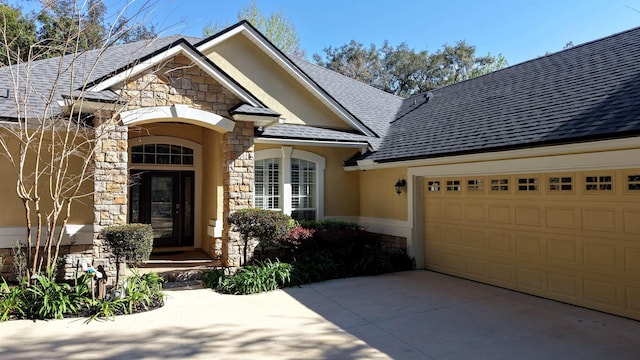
{"x": 259, "y": 74}
{"x": 378, "y": 198}
{"x": 13, "y": 213}
{"x": 341, "y": 197}
{"x": 212, "y": 178}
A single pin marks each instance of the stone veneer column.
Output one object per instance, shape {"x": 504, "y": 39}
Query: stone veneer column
{"x": 237, "y": 187}
{"x": 110, "y": 182}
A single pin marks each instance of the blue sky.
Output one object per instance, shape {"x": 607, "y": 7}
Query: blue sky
{"x": 520, "y": 30}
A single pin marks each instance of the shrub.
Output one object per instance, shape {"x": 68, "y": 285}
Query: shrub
{"x": 130, "y": 244}
{"x": 251, "y": 279}
{"x": 212, "y": 277}
{"x": 266, "y": 226}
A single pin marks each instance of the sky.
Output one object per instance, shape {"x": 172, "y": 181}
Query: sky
{"x": 520, "y": 30}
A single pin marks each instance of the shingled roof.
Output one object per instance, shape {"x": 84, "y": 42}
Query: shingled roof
{"x": 87, "y": 67}
{"x": 590, "y": 91}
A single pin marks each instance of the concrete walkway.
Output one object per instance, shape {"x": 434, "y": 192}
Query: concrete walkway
{"x": 412, "y": 315}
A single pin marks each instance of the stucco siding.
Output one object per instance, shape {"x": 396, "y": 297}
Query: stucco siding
{"x": 378, "y": 198}
{"x": 259, "y": 74}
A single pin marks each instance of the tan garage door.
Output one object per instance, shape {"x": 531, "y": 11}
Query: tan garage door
{"x": 573, "y": 237}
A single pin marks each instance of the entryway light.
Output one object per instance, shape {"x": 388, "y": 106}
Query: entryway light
{"x": 399, "y": 185}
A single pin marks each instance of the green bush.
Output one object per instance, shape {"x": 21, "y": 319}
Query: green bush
{"x": 130, "y": 244}
{"x": 212, "y": 277}
{"x": 251, "y": 279}
{"x": 266, "y": 226}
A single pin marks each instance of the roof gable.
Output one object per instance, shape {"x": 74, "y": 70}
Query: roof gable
{"x": 246, "y": 29}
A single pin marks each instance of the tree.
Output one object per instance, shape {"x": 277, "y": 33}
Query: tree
{"x": 276, "y": 27}
{"x": 51, "y": 148}
{"x": 18, "y": 32}
{"x": 403, "y": 71}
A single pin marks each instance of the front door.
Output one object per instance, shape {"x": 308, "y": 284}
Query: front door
{"x": 164, "y": 199}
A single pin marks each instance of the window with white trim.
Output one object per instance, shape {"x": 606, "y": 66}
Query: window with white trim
{"x": 290, "y": 180}
{"x": 267, "y": 183}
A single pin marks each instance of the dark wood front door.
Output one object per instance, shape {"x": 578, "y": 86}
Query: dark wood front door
{"x": 164, "y": 199}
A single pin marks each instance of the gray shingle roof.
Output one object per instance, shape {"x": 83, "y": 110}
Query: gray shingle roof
{"x": 87, "y": 67}
{"x": 373, "y": 107}
{"x": 590, "y": 91}
{"x": 252, "y": 110}
{"x": 303, "y": 132}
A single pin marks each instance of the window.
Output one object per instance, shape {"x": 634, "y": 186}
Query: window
{"x": 267, "y": 182}
{"x": 598, "y": 183}
{"x": 161, "y": 154}
{"x": 633, "y": 182}
{"x": 560, "y": 183}
{"x": 291, "y": 181}
{"x": 500, "y": 184}
{"x": 475, "y": 185}
{"x": 527, "y": 184}
{"x": 303, "y": 189}
{"x": 453, "y": 185}
{"x": 433, "y": 185}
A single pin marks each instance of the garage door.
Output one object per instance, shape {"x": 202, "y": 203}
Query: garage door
{"x": 572, "y": 237}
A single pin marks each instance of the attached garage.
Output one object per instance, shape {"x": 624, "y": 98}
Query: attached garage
{"x": 572, "y": 235}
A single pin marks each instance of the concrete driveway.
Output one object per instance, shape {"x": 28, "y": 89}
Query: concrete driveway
{"x": 411, "y": 315}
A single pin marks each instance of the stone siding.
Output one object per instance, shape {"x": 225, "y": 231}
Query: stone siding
{"x": 238, "y": 186}
{"x": 179, "y": 81}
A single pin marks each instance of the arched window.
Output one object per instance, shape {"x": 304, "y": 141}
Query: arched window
{"x": 290, "y": 180}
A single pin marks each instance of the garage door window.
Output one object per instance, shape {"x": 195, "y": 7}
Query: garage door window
{"x": 475, "y": 185}
{"x": 433, "y": 185}
{"x": 603, "y": 183}
{"x": 560, "y": 183}
{"x": 501, "y": 185}
{"x": 453, "y": 185}
{"x": 528, "y": 184}
{"x": 633, "y": 182}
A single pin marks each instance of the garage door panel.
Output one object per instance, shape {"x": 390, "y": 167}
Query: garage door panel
{"x": 562, "y": 217}
{"x": 475, "y": 212}
{"x": 530, "y": 279}
{"x": 581, "y": 246}
{"x": 530, "y": 247}
{"x": 632, "y": 261}
{"x": 600, "y": 292}
{"x": 476, "y": 239}
{"x": 529, "y": 215}
{"x": 564, "y": 251}
{"x": 453, "y": 211}
{"x": 600, "y": 219}
{"x": 600, "y": 257}
{"x": 632, "y": 220}
{"x": 503, "y": 274}
{"x": 499, "y": 214}
{"x": 563, "y": 286}
{"x": 501, "y": 242}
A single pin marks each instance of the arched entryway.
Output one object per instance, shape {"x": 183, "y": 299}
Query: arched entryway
{"x": 166, "y": 188}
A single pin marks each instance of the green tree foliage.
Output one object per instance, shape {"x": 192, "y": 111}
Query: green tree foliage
{"x": 58, "y": 27}
{"x": 275, "y": 26}
{"x": 404, "y": 71}
{"x": 18, "y": 33}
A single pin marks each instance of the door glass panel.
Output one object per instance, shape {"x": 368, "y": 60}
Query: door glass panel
{"x": 134, "y": 203}
{"x": 162, "y": 206}
{"x": 188, "y": 206}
